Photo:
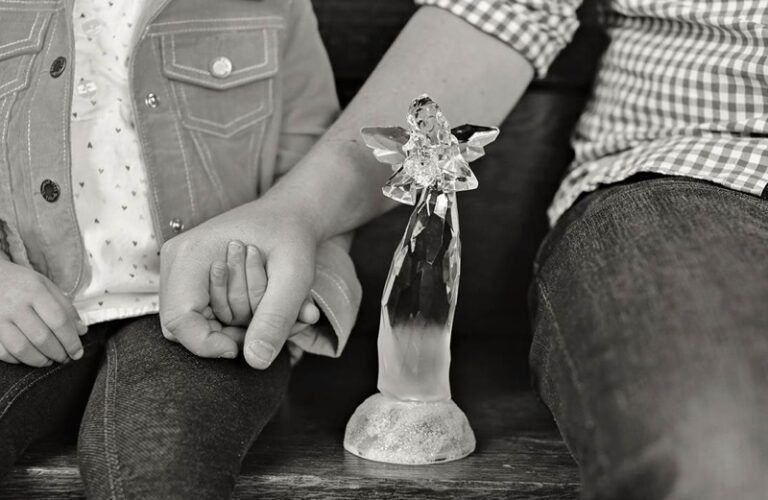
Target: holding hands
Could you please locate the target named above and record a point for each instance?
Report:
(237, 286)
(206, 304)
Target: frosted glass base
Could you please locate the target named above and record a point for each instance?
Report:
(408, 432)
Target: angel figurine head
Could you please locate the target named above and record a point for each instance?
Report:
(429, 155)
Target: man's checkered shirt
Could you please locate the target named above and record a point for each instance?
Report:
(682, 87)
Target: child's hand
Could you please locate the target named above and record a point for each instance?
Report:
(237, 286)
(38, 324)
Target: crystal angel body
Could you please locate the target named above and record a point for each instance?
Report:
(431, 163)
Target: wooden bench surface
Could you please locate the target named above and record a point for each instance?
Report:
(300, 455)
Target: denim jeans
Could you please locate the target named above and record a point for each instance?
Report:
(159, 422)
(650, 305)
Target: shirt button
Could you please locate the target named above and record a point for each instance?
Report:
(177, 225)
(221, 67)
(86, 89)
(50, 190)
(58, 66)
(92, 27)
(151, 100)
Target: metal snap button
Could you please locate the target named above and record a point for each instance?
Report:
(221, 67)
(151, 100)
(58, 66)
(50, 190)
(176, 224)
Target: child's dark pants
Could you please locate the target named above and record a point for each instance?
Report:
(159, 422)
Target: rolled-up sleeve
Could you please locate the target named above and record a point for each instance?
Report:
(536, 29)
(337, 292)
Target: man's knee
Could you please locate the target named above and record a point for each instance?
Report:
(717, 449)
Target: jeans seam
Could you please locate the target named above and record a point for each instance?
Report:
(574, 376)
(113, 463)
(24, 387)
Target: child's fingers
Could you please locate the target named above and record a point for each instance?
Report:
(208, 313)
(40, 335)
(237, 287)
(20, 348)
(256, 277)
(195, 332)
(299, 327)
(236, 333)
(309, 313)
(218, 292)
(61, 323)
(68, 307)
(6, 357)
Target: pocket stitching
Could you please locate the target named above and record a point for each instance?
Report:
(24, 44)
(19, 80)
(270, 49)
(180, 82)
(260, 111)
(236, 72)
(229, 24)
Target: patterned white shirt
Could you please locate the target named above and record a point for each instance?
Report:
(682, 88)
(111, 200)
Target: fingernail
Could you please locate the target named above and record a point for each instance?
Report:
(262, 351)
(81, 327)
(229, 355)
(78, 354)
(219, 269)
(235, 246)
(48, 363)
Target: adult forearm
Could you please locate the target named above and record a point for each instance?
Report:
(473, 76)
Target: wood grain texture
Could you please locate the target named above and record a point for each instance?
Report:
(300, 455)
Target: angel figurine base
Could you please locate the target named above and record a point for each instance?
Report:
(409, 432)
(412, 420)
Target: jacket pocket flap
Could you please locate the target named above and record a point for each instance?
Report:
(222, 57)
(22, 36)
(22, 33)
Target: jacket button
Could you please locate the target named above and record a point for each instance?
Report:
(177, 225)
(221, 67)
(58, 66)
(151, 100)
(50, 190)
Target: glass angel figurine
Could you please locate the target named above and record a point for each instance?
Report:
(412, 420)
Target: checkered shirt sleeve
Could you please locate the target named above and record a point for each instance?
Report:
(536, 29)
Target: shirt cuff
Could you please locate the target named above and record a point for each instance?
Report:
(337, 293)
(536, 29)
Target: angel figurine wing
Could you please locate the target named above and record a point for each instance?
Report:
(387, 143)
(473, 139)
(428, 155)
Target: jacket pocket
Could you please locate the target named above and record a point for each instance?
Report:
(222, 74)
(22, 35)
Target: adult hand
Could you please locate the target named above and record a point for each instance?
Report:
(287, 243)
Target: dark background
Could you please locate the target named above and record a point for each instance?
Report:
(503, 221)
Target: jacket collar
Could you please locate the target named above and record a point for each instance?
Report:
(151, 9)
